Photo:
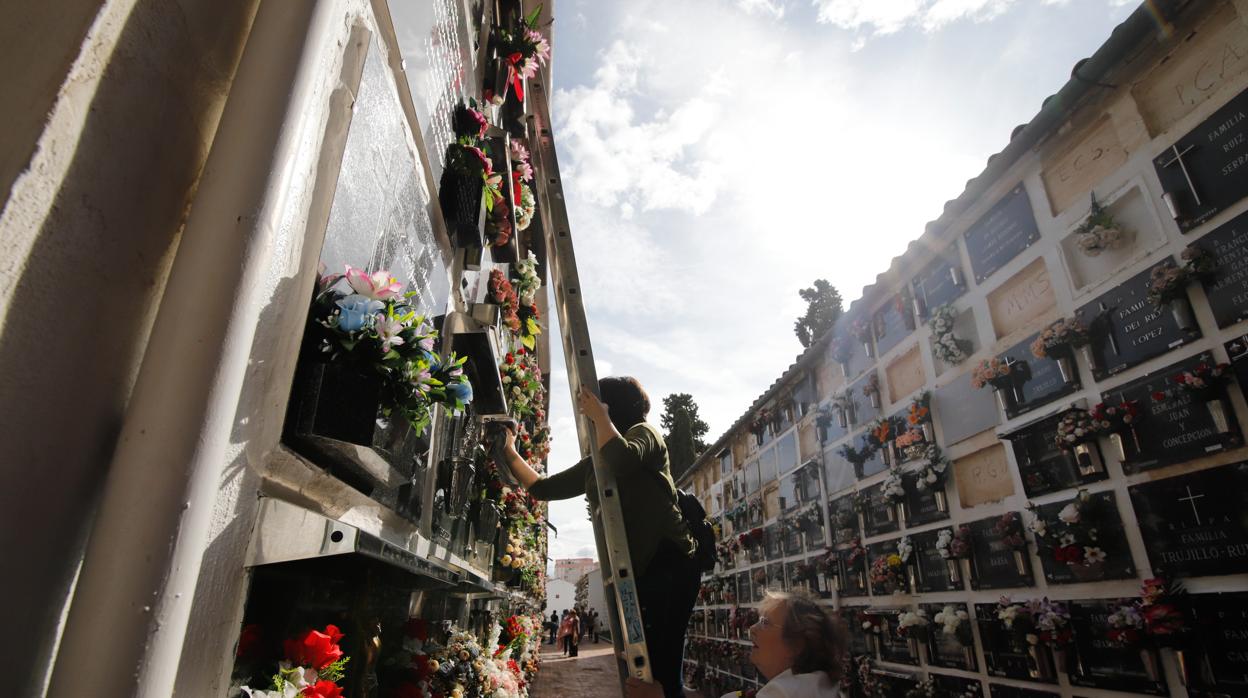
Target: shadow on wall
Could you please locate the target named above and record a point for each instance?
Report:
(75, 330)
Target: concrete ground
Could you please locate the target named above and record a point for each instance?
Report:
(590, 675)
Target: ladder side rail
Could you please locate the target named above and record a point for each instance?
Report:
(628, 634)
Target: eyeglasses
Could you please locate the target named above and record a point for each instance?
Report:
(765, 622)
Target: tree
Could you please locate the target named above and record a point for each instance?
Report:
(684, 431)
(822, 310)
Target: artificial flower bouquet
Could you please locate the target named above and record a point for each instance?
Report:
(1073, 536)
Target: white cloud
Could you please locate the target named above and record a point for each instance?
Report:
(771, 8)
(882, 17)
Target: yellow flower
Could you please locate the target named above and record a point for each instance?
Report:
(894, 560)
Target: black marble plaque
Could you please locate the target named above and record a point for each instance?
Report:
(1110, 539)
(857, 636)
(1002, 234)
(1127, 329)
(1195, 524)
(1003, 658)
(844, 520)
(893, 323)
(1227, 288)
(939, 283)
(882, 549)
(1178, 428)
(791, 540)
(894, 647)
(744, 587)
(1221, 630)
(1038, 381)
(1213, 172)
(995, 565)
(997, 690)
(1043, 466)
(775, 575)
(933, 572)
(788, 492)
(854, 581)
(833, 432)
(1099, 662)
(948, 685)
(773, 543)
(838, 472)
(880, 515)
(945, 650)
(1237, 350)
(863, 411)
(922, 504)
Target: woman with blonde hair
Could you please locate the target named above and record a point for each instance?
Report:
(799, 645)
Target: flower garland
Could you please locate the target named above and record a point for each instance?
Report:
(990, 372)
(1060, 339)
(367, 321)
(504, 294)
(522, 383)
(1168, 282)
(945, 345)
(528, 283)
(314, 664)
(911, 444)
(880, 432)
(1098, 232)
(954, 543)
(1157, 618)
(857, 457)
(1072, 536)
(1201, 381)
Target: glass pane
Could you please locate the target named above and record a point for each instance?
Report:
(767, 465)
(786, 452)
(788, 492)
(751, 477)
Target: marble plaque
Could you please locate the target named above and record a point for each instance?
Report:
(1038, 381)
(1237, 350)
(1195, 71)
(961, 687)
(963, 411)
(857, 637)
(1007, 229)
(882, 549)
(894, 647)
(893, 322)
(983, 477)
(997, 690)
(933, 573)
(922, 504)
(905, 375)
(1178, 428)
(1100, 662)
(838, 473)
(1221, 622)
(945, 650)
(1207, 170)
(1003, 658)
(863, 412)
(1024, 298)
(787, 494)
(1042, 466)
(995, 565)
(859, 361)
(1127, 329)
(1227, 288)
(1074, 171)
(855, 581)
(844, 520)
(744, 587)
(940, 282)
(772, 541)
(1110, 538)
(1195, 524)
(874, 464)
(880, 515)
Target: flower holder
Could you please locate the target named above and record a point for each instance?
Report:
(886, 454)
(869, 349)
(1005, 400)
(1127, 443)
(929, 432)
(1020, 562)
(514, 110)
(844, 369)
(1066, 366)
(892, 513)
(954, 569)
(463, 208)
(901, 514)
(1039, 665)
(1088, 459)
(1181, 310)
(1089, 356)
(911, 580)
(487, 521)
(942, 502)
(842, 418)
(955, 275)
(875, 399)
(1152, 664)
(1218, 413)
(913, 646)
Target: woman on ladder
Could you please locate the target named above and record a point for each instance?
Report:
(658, 539)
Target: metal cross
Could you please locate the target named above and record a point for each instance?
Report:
(1113, 343)
(1178, 157)
(1191, 498)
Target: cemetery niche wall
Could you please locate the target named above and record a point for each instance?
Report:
(1084, 530)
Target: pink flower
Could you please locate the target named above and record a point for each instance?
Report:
(388, 330)
(378, 286)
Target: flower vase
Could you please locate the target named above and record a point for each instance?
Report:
(891, 511)
(1059, 660)
(955, 275)
(886, 454)
(842, 418)
(955, 574)
(1180, 658)
(912, 580)
(1181, 309)
(929, 432)
(1088, 459)
(1066, 366)
(873, 641)
(968, 656)
(913, 646)
(875, 400)
(844, 369)
(1089, 356)
(836, 583)
(1003, 399)
(1038, 666)
(901, 514)
(1152, 664)
(1020, 562)
(1217, 411)
(868, 349)
(1127, 443)
(1016, 393)
(460, 196)
(942, 502)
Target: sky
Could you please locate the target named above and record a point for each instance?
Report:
(719, 155)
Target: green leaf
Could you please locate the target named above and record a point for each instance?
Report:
(531, 20)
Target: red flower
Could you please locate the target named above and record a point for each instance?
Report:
(1070, 554)
(315, 649)
(249, 641)
(1159, 396)
(323, 689)
(1162, 619)
(510, 358)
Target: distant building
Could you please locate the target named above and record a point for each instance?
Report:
(590, 593)
(573, 568)
(560, 596)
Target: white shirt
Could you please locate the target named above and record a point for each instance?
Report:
(815, 684)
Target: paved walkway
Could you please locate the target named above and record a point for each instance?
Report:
(591, 675)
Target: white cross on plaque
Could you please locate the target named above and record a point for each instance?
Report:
(1191, 499)
(1178, 157)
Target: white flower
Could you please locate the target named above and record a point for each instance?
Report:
(1069, 513)
(1092, 555)
(1038, 527)
(388, 330)
(1067, 539)
(1033, 639)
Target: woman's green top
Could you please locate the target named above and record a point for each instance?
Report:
(647, 493)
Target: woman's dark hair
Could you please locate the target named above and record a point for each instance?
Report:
(818, 635)
(627, 402)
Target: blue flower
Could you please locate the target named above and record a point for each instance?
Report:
(460, 390)
(356, 311)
